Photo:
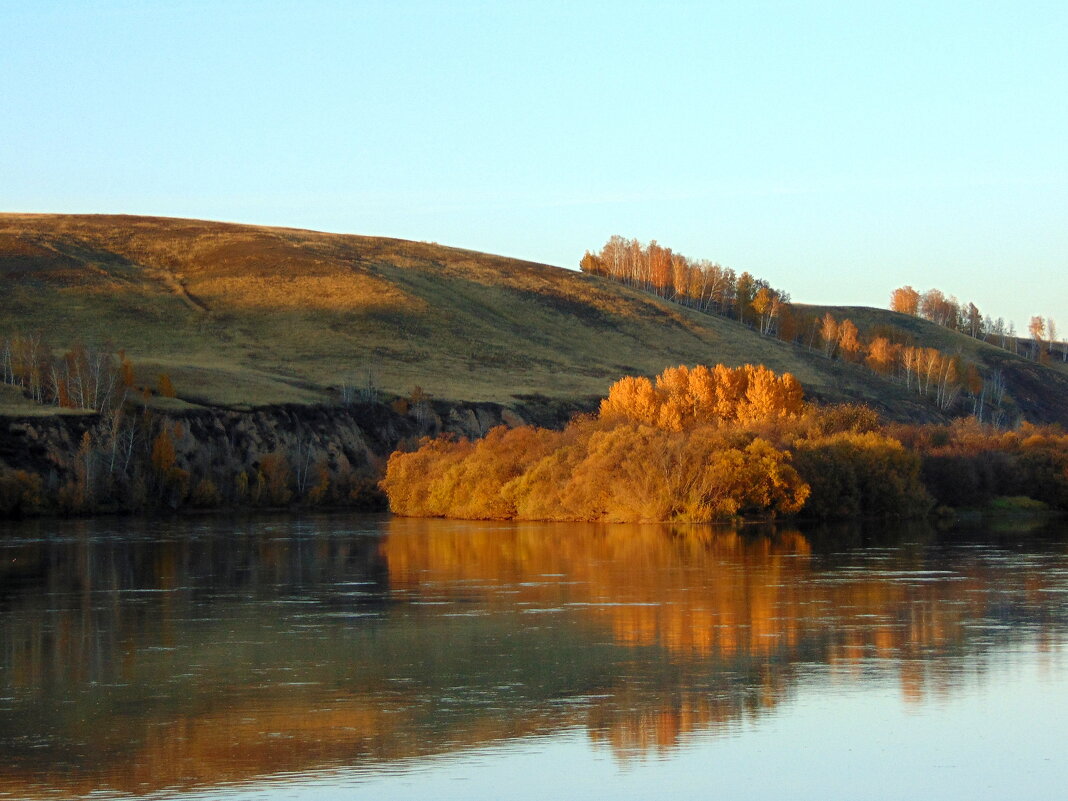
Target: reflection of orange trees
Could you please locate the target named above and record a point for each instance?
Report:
(702, 594)
(52, 643)
(235, 745)
(694, 592)
(669, 452)
(697, 593)
(631, 725)
(715, 627)
(752, 603)
(282, 736)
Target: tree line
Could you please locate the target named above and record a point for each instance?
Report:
(703, 444)
(98, 379)
(934, 305)
(951, 382)
(946, 380)
(697, 283)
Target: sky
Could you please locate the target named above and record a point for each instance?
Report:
(838, 150)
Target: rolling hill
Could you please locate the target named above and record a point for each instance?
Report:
(243, 316)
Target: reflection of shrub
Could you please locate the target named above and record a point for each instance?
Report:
(861, 474)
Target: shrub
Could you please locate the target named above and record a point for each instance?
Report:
(861, 474)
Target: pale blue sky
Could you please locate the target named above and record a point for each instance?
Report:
(837, 149)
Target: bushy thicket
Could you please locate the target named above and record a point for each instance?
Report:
(595, 471)
(696, 444)
(851, 474)
(966, 464)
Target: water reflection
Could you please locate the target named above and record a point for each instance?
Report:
(208, 653)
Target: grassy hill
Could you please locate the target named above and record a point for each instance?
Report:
(242, 316)
(1037, 391)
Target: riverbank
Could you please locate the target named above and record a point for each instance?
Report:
(143, 458)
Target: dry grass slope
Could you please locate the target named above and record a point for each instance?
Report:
(244, 315)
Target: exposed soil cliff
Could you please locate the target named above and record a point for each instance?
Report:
(213, 457)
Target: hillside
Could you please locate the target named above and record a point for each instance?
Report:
(1038, 392)
(243, 316)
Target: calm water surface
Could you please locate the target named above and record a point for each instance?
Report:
(352, 657)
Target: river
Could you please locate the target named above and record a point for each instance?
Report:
(340, 656)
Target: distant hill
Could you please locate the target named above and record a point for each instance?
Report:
(243, 316)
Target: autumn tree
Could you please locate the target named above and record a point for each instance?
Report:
(1037, 329)
(745, 290)
(829, 334)
(905, 300)
(767, 304)
(166, 386)
(973, 321)
(848, 341)
(789, 325)
(937, 308)
(592, 264)
(277, 476)
(881, 355)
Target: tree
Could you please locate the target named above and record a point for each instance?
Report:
(1037, 329)
(166, 386)
(592, 264)
(659, 260)
(937, 308)
(829, 334)
(906, 300)
(973, 320)
(881, 355)
(910, 358)
(848, 341)
(789, 327)
(766, 305)
(745, 290)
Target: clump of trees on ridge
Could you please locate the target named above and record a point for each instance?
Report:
(98, 379)
(947, 311)
(946, 379)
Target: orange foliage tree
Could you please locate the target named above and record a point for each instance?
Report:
(906, 300)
